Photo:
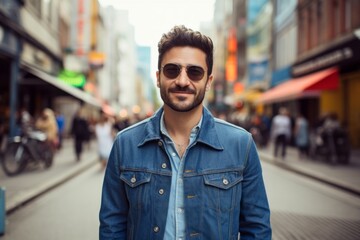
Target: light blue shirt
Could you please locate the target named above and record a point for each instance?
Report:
(175, 223)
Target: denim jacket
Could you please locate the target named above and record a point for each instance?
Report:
(224, 192)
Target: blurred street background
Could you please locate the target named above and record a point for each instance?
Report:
(82, 60)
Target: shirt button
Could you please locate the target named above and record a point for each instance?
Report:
(133, 180)
(160, 143)
(173, 154)
(161, 191)
(225, 181)
(156, 229)
(180, 210)
(163, 165)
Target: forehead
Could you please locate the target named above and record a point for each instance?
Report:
(185, 56)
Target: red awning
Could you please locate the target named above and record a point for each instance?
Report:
(308, 85)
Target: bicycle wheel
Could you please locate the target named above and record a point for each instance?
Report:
(47, 154)
(14, 159)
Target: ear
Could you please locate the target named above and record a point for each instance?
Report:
(209, 82)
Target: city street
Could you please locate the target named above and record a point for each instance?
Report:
(68, 212)
(306, 209)
(74, 73)
(301, 209)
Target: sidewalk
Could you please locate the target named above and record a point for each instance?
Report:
(346, 177)
(35, 181)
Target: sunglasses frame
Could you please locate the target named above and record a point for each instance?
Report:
(179, 67)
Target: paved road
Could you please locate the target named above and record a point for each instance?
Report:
(301, 209)
(68, 212)
(35, 180)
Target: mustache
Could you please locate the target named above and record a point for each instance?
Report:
(182, 89)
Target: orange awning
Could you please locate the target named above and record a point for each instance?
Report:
(108, 110)
(308, 85)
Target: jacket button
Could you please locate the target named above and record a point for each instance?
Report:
(160, 143)
(163, 165)
(133, 180)
(225, 181)
(161, 191)
(156, 229)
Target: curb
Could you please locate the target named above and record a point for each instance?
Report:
(316, 176)
(27, 196)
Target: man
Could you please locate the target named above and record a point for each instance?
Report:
(80, 131)
(281, 131)
(183, 174)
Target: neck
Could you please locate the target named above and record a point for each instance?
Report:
(180, 124)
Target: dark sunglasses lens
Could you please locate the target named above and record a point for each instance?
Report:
(171, 70)
(195, 73)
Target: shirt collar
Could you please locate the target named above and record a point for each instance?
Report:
(194, 131)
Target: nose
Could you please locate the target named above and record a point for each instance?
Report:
(182, 80)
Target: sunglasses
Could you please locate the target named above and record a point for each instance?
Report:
(172, 71)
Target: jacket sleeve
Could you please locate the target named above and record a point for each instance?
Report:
(255, 212)
(114, 203)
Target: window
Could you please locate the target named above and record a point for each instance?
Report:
(47, 10)
(348, 15)
(34, 6)
(319, 22)
(336, 18)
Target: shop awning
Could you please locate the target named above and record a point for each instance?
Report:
(250, 95)
(77, 93)
(309, 85)
(108, 110)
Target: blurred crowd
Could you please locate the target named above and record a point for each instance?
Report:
(83, 129)
(284, 129)
(280, 130)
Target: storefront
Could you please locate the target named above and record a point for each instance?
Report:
(10, 49)
(24, 85)
(345, 100)
(328, 81)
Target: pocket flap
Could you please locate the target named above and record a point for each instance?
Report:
(224, 180)
(134, 179)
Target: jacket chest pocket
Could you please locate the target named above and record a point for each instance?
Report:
(223, 190)
(137, 185)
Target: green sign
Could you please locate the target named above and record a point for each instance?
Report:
(72, 78)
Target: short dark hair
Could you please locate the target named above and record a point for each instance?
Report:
(182, 36)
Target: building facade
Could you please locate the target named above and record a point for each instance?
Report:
(325, 75)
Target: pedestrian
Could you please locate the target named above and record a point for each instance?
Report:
(60, 120)
(281, 131)
(104, 136)
(265, 131)
(302, 135)
(47, 123)
(183, 174)
(80, 131)
(331, 122)
(25, 122)
(2, 131)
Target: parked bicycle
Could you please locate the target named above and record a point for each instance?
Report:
(332, 145)
(31, 147)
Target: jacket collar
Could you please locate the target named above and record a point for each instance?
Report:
(207, 134)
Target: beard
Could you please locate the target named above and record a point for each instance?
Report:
(181, 104)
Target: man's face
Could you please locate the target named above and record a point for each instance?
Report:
(181, 93)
